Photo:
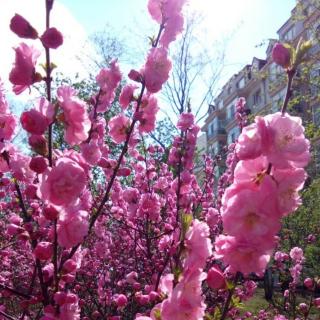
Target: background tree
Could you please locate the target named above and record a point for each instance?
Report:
(197, 66)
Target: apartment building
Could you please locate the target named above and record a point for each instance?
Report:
(262, 83)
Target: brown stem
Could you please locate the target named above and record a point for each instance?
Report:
(16, 292)
(49, 4)
(290, 75)
(231, 291)
(7, 316)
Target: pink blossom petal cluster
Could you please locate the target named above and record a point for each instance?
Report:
(62, 184)
(267, 180)
(169, 14)
(108, 79)
(23, 74)
(156, 70)
(118, 128)
(75, 116)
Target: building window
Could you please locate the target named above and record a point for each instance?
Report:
(240, 83)
(231, 112)
(289, 36)
(257, 98)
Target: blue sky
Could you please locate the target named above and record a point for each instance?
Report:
(246, 22)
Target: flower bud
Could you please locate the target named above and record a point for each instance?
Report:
(215, 278)
(52, 38)
(38, 164)
(121, 300)
(281, 55)
(50, 213)
(38, 144)
(308, 282)
(22, 28)
(43, 250)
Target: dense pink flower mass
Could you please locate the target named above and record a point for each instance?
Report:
(114, 221)
(24, 73)
(156, 70)
(63, 184)
(72, 227)
(75, 116)
(108, 80)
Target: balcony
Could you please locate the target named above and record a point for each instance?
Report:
(217, 135)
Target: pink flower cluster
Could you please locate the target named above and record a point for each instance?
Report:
(108, 80)
(7, 120)
(23, 74)
(75, 116)
(272, 152)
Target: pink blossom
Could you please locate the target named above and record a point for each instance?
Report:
(317, 303)
(308, 282)
(34, 122)
(253, 171)
(213, 217)
(121, 300)
(135, 75)
(289, 146)
(118, 128)
(22, 28)
(156, 70)
(185, 121)
(252, 140)
(43, 250)
(251, 211)
(296, 254)
(72, 227)
(108, 80)
(280, 317)
(290, 182)
(149, 206)
(198, 245)
(75, 116)
(185, 301)
(62, 184)
(38, 144)
(173, 27)
(23, 73)
(7, 126)
(38, 164)
(215, 278)
(162, 10)
(91, 152)
(46, 109)
(3, 100)
(126, 95)
(52, 38)
(242, 255)
(147, 115)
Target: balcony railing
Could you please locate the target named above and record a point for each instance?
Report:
(216, 132)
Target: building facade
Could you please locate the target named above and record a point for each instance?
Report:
(263, 84)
